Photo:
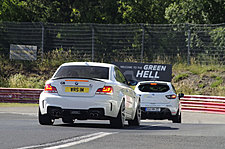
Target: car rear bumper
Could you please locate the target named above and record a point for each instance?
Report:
(94, 113)
(68, 105)
(164, 113)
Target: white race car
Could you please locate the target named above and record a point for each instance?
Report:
(159, 100)
(87, 90)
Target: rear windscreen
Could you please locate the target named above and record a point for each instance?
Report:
(82, 72)
(153, 88)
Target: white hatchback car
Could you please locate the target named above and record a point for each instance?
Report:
(87, 90)
(159, 100)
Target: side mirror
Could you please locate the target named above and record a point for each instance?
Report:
(132, 82)
(180, 95)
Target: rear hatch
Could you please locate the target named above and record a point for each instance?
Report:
(78, 80)
(154, 93)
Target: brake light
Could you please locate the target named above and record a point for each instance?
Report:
(153, 83)
(106, 90)
(50, 89)
(171, 96)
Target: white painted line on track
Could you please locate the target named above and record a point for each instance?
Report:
(80, 141)
(29, 114)
(70, 142)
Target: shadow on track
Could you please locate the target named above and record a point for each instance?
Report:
(149, 127)
(108, 126)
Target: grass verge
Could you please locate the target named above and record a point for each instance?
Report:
(190, 79)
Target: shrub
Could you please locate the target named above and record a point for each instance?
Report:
(22, 81)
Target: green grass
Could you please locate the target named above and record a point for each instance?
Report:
(197, 69)
(218, 82)
(201, 85)
(180, 77)
(189, 79)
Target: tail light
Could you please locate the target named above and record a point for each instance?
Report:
(50, 89)
(106, 90)
(174, 96)
(153, 83)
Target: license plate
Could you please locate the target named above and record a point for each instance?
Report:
(77, 89)
(152, 109)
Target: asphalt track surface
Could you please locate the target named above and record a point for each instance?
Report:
(19, 128)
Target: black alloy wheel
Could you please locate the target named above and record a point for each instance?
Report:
(137, 118)
(45, 119)
(119, 121)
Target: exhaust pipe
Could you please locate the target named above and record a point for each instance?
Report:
(94, 115)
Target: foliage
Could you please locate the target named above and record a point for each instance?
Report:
(201, 85)
(22, 81)
(13, 10)
(193, 79)
(201, 79)
(180, 77)
(196, 11)
(113, 11)
(67, 11)
(218, 82)
(186, 12)
(218, 36)
(32, 74)
(143, 11)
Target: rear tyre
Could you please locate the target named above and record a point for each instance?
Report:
(137, 118)
(45, 119)
(68, 120)
(119, 121)
(177, 118)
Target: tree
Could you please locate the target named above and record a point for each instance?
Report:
(98, 11)
(196, 12)
(66, 11)
(12, 10)
(51, 11)
(144, 11)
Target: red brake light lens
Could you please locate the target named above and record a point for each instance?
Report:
(106, 90)
(171, 96)
(153, 83)
(50, 89)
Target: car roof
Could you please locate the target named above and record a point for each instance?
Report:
(88, 64)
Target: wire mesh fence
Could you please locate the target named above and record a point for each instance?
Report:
(189, 43)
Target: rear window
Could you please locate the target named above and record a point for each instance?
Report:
(83, 72)
(153, 88)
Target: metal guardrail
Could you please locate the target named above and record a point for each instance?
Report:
(19, 95)
(199, 103)
(194, 103)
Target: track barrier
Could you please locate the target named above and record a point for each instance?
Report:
(194, 103)
(19, 95)
(199, 103)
